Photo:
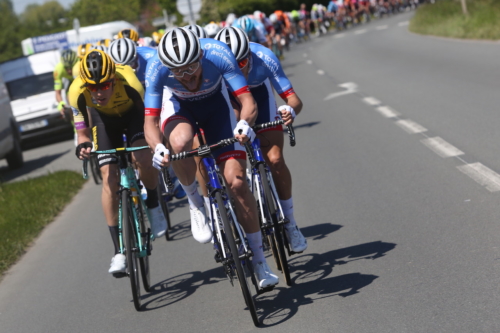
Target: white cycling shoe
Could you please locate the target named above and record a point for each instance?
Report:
(118, 264)
(296, 240)
(199, 225)
(158, 223)
(265, 277)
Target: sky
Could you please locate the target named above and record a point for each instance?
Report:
(20, 5)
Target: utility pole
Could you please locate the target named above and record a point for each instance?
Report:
(464, 8)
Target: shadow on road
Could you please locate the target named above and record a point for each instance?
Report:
(310, 275)
(6, 174)
(319, 231)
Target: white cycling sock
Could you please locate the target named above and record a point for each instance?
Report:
(194, 198)
(287, 206)
(255, 243)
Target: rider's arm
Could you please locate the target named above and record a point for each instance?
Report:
(79, 108)
(58, 86)
(248, 108)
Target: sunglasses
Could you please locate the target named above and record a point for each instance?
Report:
(243, 63)
(180, 72)
(101, 86)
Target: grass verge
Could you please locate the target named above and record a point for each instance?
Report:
(445, 18)
(28, 206)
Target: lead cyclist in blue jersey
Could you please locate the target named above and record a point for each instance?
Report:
(262, 69)
(186, 87)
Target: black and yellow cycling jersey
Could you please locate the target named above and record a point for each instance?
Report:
(126, 91)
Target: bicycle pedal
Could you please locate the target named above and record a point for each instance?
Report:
(119, 275)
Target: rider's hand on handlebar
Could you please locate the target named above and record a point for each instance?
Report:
(287, 114)
(83, 150)
(243, 132)
(161, 156)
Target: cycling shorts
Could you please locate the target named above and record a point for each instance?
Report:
(266, 104)
(214, 115)
(107, 131)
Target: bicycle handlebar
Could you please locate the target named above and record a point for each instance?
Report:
(203, 150)
(109, 151)
(291, 132)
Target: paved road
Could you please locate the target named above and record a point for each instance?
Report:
(397, 195)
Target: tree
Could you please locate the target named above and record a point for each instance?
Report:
(91, 12)
(9, 39)
(44, 19)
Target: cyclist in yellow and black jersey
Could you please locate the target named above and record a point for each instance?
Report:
(110, 99)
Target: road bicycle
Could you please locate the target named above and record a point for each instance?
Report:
(133, 218)
(229, 242)
(165, 189)
(95, 169)
(271, 217)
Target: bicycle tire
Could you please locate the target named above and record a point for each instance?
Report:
(133, 270)
(230, 238)
(144, 261)
(95, 169)
(279, 231)
(160, 190)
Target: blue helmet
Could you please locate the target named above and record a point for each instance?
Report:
(246, 24)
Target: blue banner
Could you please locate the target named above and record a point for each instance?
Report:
(57, 41)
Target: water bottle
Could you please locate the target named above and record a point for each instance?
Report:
(144, 192)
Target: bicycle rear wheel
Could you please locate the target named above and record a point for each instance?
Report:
(144, 261)
(230, 233)
(279, 232)
(131, 242)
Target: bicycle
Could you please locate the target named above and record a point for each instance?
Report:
(230, 245)
(271, 217)
(165, 189)
(96, 170)
(132, 216)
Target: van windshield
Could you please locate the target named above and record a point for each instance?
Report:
(29, 86)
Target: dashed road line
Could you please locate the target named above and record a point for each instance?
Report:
(339, 36)
(371, 101)
(382, 27)
(350, 86)
(410, 126)
(359, 32)
(309, 62)
(482, 175)
(441, 147)
(320, 72)
(387, 112)
(402, 24)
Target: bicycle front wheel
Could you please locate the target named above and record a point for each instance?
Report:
(95, 169)
(162, 194)
(144, 261)
(131, 242)
(230, 233)
(277, 237)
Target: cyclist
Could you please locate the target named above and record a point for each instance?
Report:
(112, 97)
(248, 25)
(64, 70)
(212, 29)
(129, 33)
(104, 42)
(186, 87)
(197, 30)
(261, 68)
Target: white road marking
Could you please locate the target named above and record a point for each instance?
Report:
(359, 32)
(309, 62)
(320, 72)
(402, 24)
(339, 35)
(441, 147)
(382, 27)
(350, 86)
(387, 112)
(410, 126)
(482, 175)
(371, 101)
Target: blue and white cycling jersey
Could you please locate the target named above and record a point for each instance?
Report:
(265, 69)
(144, 53)
(209, 107)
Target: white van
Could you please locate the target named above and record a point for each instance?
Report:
(30, 85)
(10, 140)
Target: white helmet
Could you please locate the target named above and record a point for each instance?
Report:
(273, 18)
(179, 47)
(258, 15)
(103, 48)
(212, 29)
(198, 31)
(237, 41)
(122, 51)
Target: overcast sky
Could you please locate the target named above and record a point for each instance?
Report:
(20, 5)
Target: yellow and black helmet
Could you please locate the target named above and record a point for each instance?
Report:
(97, 67)
(104, 42)
(69, 58)
(130, 34)
(83, 49)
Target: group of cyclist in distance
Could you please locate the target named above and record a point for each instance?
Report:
(159, 96)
